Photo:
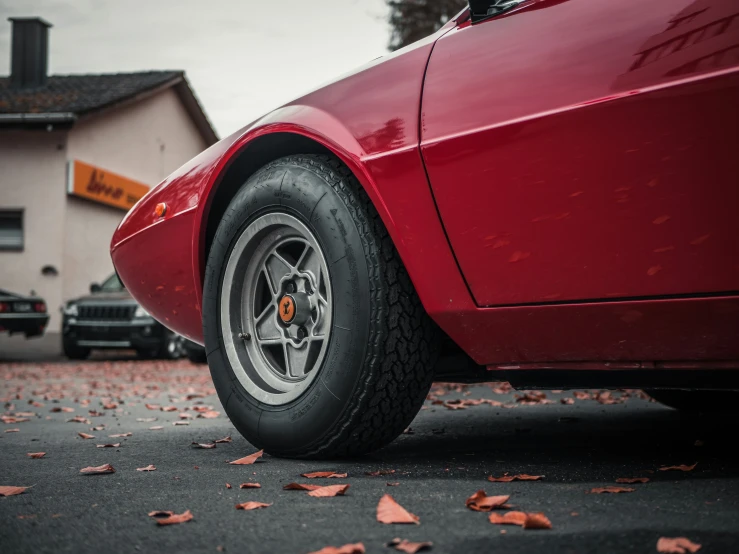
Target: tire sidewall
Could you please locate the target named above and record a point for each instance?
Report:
(296, 188)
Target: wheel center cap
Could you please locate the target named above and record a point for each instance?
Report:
(287, 308)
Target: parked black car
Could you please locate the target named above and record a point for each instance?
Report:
(109, 318)
(22, 314)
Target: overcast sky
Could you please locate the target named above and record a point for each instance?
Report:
(242, 57)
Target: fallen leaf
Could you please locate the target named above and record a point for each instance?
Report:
(519, 477)
(228, 485)
(210, 414)
(152, 406)
(97, 428)
(331, 490)
(180, 423)
(12, 430)
(116, 445)
(537, 521)
(403, 545)
(224, 439)
(120, 435)
(580, 395)
(12, 491)
(146, 419)
(327, 474)
(509, 518)
(248, 460)
(11, 419)
(147, 468)
(110, 406)
(392, 484)
(79, 419)
(98, 470)
(525, 520)
(629, 480)
(252, 505)
(389, 511)
(567, 400)
(204, 445)
(679, 468)
(480, 502)
(175, 518)
(36, 455)
(156, 428)
(677, 545)
(355, 548)
(300, 487)
(86, 435)
(67, 409)
(250, 486)
(168, 408)
(610, 489)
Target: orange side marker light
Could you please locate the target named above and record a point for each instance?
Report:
(160, 210)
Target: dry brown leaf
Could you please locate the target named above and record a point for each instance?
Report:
(537, 521)
(210, 414)
(567, 400)
(97, 428)
(86, 435)
(250, 486)
(355, 548)
(392, 484)
(611, 489)
(247, 460)
(331, 490)
(252, 505)
(168, 408)
(679, 468)
(224, 439)
(327, 474)
(150, 467)
(12, 430)
(114, 445)
(403, 545)
(36, 455)
(146, 419)
(509, 518)
(677, 545)
(152, 406)
(12, 491)
(97, 470)
(175, 518)
(630, 480)
(480, 502)
(380, 472)
(79, 419)
(156, 428)
(581, 395)
(204, 445)
(520, 477)
(300, 487)
(12, 419)
(389, 511)
(118, 435)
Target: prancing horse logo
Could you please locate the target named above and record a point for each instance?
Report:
(287, 313)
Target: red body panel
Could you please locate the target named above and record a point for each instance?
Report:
(588, 164)
(539, 94)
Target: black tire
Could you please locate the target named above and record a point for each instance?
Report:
(697, 400)
(197, 356)
(74, 352)
(374, 378)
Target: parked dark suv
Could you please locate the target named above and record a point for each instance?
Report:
(109, 318)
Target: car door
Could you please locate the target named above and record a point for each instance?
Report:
(588, 149)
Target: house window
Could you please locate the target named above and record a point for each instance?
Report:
(11, 230)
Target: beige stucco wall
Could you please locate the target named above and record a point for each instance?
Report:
(32, 174)
(145, 141)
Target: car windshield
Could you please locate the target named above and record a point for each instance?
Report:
(112, 284)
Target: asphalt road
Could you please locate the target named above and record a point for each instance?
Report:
(447, 457)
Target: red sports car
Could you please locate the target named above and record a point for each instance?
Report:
(543, 191)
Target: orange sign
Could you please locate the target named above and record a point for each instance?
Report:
(99, 185)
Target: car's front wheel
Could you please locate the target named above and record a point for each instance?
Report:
(317, 342)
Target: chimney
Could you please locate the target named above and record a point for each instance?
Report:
(29, 52)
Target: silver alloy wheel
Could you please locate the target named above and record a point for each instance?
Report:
(276, 309)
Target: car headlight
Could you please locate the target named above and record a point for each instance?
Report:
(140, 312)
(71, 310)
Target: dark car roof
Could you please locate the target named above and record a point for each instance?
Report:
(7, 295)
